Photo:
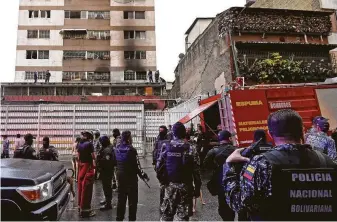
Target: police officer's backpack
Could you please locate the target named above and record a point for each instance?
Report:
(303, 189)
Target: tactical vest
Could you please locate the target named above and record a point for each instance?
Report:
(106, 161)
(304, 186)
(21, 152)
(47, 155)
(127, 167)
(178, 162)
(160, 147)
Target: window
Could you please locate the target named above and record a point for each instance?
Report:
(129, 15)
(31, 54)
(134, 15)
(73, 76)
(140, 15)
(98, 15)
(33, 14)
(43, 54)
(72, 14)
(44, 34)
(105, 35)
(74, 54)
(134, 35)
(129, 34)
(129, 55)
(140, 35)
(32, 34)
(135, 55)
(30, 75)
(84, 14)
(140, 55)
(45, 14)
(98, 55)
(141, 75)
(98, 76)
(129, 75)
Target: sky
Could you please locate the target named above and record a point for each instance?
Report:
(173, 18)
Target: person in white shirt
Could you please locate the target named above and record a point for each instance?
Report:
(19, 142)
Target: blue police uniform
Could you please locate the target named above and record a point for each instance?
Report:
(284, 175)
(128, 169)
(178, 169)
(322, 142)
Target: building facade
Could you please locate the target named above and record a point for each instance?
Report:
(105, 41)
(238, 42)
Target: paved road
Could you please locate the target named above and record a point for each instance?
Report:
(148, 203)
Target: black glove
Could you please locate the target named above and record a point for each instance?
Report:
(145, 177)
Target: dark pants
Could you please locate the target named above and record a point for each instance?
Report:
(5, 154)
(85, 186)
(47, 80)
(243, 216)
(129, 193)
(161, 196)
(225, 212)
(151, 80)
(107, 187)
(35, 80)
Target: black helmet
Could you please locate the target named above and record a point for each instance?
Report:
(96, 133)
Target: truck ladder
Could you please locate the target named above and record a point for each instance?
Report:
(223, 113)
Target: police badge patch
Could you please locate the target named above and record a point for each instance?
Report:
(249, 172)
(107, 157)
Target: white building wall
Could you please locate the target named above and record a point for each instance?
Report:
(118, 19)
(133, 3)
(56, 76)
(117, 76)
(332, 38)
(117, 39)
(198, 29)
(328, 4)
(117, 59)
(54, 40)
(55, 59)
(56, 19)
(41, 2)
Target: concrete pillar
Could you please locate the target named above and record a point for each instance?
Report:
(55, 91)
(110, 91)
(28, 90)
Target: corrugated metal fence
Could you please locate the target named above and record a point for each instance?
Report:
(62, 123)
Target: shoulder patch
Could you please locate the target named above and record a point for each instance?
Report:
(249, 172)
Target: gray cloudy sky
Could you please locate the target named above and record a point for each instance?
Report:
(173, 17)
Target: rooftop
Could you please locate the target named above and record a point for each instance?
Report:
(195, 22)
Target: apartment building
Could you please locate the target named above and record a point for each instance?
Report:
(87, 41)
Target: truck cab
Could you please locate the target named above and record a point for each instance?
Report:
(33, 190)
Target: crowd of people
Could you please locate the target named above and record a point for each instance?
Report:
(276, 21)
(247, 181)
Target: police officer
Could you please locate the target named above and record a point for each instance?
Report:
(107, 162)
(47, 152)
(320, 140)
(97, 148)
(116, 141)
(128, 168)
(161, 138)
(313, 128)
(177, 168)
(214, 159)
(26, 151)
(283, 176)
(86, 174)
(5, 147)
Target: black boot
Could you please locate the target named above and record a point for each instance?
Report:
(107, 206)
(103, 202)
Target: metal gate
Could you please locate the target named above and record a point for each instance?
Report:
(62, 123)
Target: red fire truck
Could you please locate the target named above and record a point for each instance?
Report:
(244, 111)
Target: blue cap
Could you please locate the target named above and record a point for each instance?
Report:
(318, 118)
(224, 135)
(323, 124)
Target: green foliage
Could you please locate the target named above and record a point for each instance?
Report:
(276, 70)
